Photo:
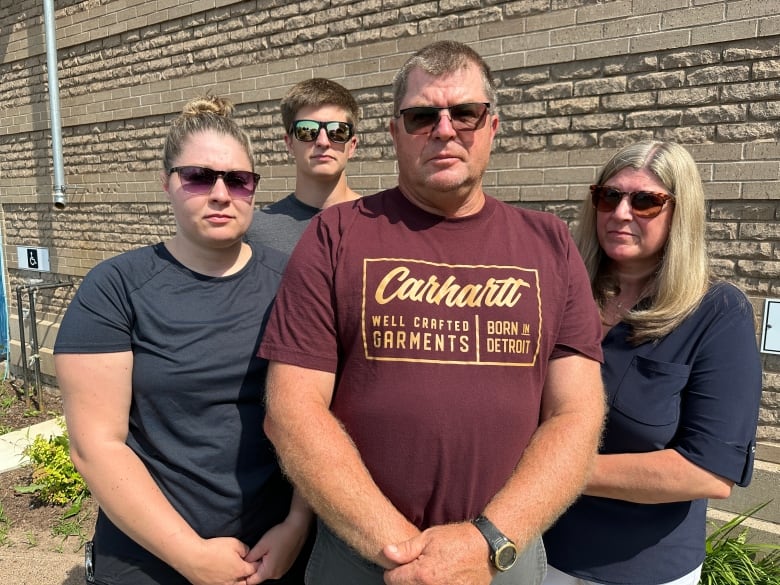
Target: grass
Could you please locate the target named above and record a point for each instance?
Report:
(6, 402)
(71, 528)
(30, 539)
(733, 559)
(5, 525)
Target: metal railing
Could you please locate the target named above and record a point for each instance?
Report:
(34, 358)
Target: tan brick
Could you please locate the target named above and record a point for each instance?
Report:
(546, 19)
(608, 11)
(687, 97)
(697, 16)
(602, 49)
(730, 31)
(572, 35)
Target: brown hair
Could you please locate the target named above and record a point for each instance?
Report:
(318, 92)
(438, 59)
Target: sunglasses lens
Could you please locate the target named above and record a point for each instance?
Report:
(338, 132)
(605, 199)
(241, 183)
(468, 116)
(197, 180)
(420, 120)
(646, 204)
(201, 180)
(643, 203)
(306, 130)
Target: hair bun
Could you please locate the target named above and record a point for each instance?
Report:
(208, 104)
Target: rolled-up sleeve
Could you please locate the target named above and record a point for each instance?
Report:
(719, 413)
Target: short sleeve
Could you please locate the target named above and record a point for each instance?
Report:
(302, 328)
(580, 330)
(720, 405)
(99, 318)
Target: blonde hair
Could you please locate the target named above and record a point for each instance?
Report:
(683, 275)
(203, 114)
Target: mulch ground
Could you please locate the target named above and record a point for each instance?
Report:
(24, 520)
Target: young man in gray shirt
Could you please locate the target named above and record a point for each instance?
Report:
(320, 118)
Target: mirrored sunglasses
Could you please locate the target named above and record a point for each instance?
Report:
(463, 117)
(308, 130)
(201, 180)
(643, 203)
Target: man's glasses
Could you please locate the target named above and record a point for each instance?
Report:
(643, 203)
(308, 130)
(423, 119)
(201, 180)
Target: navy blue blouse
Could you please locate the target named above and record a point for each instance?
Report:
(696, 391)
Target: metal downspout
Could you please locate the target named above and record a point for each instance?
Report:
(54, 103)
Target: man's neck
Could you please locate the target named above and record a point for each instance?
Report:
(322, 194)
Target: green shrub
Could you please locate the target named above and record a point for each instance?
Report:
(54, 479)
(733, 560)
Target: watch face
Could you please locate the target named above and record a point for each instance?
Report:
(506, 557)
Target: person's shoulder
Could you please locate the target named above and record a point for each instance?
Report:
(123, 274)
(276, 206)
(530, 215)
(724, 302)
(129, 262)
(289, 206)
(723, 294)
(269, 258)
(346, 208)
(545, 224)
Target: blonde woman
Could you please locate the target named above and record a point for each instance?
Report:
(163, 390)
(682, 374)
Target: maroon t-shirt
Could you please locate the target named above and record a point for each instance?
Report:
(440, 332)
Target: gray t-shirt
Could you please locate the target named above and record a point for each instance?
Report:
(196, 419)
(279, 225)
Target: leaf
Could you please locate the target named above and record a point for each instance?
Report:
(29, 489)
(732, 559)
(73, 510)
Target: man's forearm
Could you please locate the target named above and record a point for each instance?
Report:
(550, 475)
(555, 466)
(322, 462)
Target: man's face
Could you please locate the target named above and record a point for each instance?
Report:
(321, 158)
(444, 167)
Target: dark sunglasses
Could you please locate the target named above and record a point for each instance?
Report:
(201, 180)
(643, 203)
(423, 119)
(308, 130)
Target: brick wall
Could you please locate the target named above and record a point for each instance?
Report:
(578, 79)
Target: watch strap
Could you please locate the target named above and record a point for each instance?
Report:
(495, 538)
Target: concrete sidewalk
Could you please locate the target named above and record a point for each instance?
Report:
(37, 566)
(12, 444)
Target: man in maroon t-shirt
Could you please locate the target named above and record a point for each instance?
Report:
(434, 389)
